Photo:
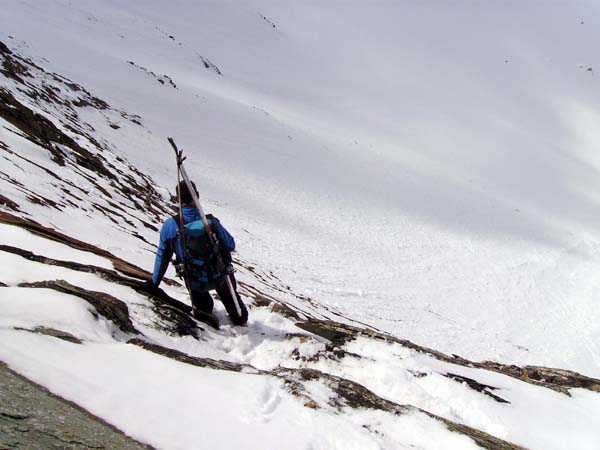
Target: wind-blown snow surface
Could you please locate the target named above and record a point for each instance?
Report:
(428, 168)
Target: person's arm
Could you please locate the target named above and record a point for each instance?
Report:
(164, 252)
(225, 238)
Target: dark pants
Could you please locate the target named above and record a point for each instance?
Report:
(203, 301)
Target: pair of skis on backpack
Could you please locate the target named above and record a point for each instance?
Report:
(209, 252)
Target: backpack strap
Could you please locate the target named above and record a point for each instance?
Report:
(174, 241)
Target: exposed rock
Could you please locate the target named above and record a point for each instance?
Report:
(54, 333)
(107, 306)
(349, 394)
(176, 315)
(66, 137)
(354, 395)
(48, 233)
(479, 387)
(208, 64)
(268, 21)
(32, 418)
(106, 274)
(35, 127)
(4, 49)
(162, 79)
(9, 203)
(555, 379)
(337, 333)
(12, 68)
(284, 310)
(194, 360)
(39, 130)
(481, 438)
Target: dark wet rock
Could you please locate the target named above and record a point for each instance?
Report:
(475, 385)
(176, 322)
(68, 139)
(175, 315)
(40, 130)
(48, 233)
(162, 79)
(284, 310)
(194, 360)
(338, 334)
(354, 395)
(160, 295)
(9, 203)
(35, 127)
(106, 305)
(208, 64)
(54, 333)
(348, 394)
(37, 199)
(481, 438)
(106, 274)
(12, 68)
(556, 379)
(32, 418)
(4, 49)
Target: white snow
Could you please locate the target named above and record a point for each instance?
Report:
(20, 238)
(173, 405)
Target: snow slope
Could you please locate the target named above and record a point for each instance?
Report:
(439, 159)
(172, 404)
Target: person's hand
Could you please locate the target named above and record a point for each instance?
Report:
(149, 287)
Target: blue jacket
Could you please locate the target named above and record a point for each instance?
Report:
(169, 242)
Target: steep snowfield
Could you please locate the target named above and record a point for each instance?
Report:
(428, 169)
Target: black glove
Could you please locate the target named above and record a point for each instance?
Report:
(149, 287)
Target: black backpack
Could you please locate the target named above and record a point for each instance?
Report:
(201, 264)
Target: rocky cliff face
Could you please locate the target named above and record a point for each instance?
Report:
(54, 159)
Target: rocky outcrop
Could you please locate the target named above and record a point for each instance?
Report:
(174, 315)
(54, 333)
(348, 394)
(556, 379)
(32, 418)
(477, 386)
(48, 233)
(45, 108)
(106, 305)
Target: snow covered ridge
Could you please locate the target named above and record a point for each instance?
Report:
(74, 318)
